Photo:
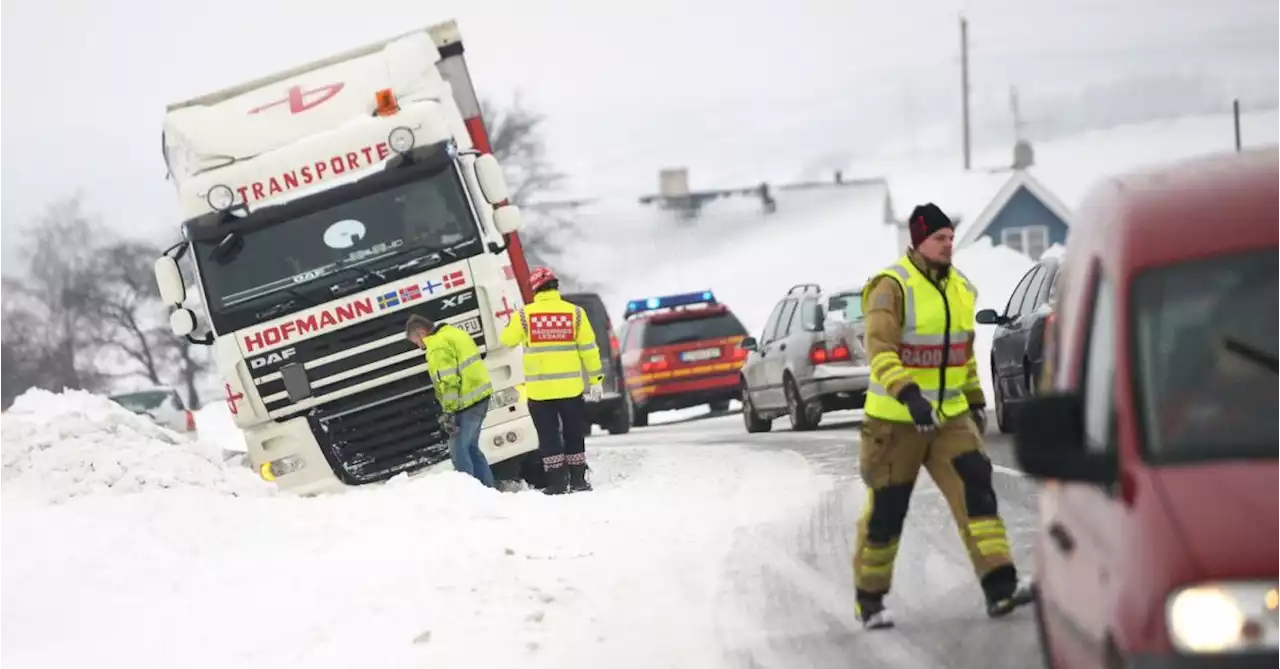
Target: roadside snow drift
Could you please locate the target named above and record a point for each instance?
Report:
(434, 572)
(56, 446)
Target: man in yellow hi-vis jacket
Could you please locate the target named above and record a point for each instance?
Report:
(925, 407)
(462, 387)
(559, 345)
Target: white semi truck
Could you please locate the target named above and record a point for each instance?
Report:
(321, 206)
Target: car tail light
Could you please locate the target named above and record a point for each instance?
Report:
(191, 421)
(654, 363)
(740, 353)
(840, 353)
(613, 343)
(818, 354)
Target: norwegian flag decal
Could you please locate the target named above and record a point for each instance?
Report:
(455, 280)
(411, 293)
(509, 271)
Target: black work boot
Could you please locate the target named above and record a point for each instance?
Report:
(557, 481)
(578, 478)
(1005, 591)
(871, 611)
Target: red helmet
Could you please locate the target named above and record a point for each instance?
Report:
(539, 277)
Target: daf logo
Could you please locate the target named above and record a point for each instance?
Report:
(456, 300)
(344, 234)
(272, 358)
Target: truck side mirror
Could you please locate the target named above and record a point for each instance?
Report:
(182, 321)
(508, 219)
(493, 184)
(169, 281)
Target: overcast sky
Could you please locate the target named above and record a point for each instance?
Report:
(628, 86)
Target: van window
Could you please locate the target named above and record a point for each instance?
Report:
(1206, 358)
(691, 329)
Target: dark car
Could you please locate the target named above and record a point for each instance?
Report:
(613, 413)
(1017, 347)
(1155, 434)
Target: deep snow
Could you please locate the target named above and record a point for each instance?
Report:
(437, 571)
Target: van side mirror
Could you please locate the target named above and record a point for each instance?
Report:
(1050, 442)
(748, 344)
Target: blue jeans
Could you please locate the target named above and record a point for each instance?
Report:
(464, 445)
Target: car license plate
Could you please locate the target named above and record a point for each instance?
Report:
(701, 354)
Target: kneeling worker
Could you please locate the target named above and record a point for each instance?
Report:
(559, 349)
(462, 388)
(925, 407)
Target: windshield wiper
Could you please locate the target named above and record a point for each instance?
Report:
(1256, 356)
(285, 306)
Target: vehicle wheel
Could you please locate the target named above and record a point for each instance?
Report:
(620, 423)
(719, 407)
(639, 418)
(1002, 421)
(531, 470)
(803, 416)
(753, 422)
(1042, 633)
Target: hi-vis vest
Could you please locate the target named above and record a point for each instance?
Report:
(936, 320)
(559, 345)
(459, 374)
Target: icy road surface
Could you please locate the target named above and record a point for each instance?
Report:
(787, 595)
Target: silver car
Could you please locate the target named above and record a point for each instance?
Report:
(811, 358)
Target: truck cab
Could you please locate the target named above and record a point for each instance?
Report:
(321, 207)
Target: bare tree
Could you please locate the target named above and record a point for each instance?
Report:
(57, 297)
(129, 308)
(515, 137)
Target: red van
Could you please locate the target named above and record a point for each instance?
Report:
(1157, 436)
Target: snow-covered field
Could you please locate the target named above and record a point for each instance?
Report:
(143, 551)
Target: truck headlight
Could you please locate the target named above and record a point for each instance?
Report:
(1225, 617)
(503, 398)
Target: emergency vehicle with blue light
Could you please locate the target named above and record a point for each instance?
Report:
(680, 351)
(321, 206)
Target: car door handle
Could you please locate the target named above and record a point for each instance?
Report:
(1061, 538)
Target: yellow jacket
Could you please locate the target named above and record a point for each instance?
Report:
(559, 345)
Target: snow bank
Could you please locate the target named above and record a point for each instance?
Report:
(995, 272)
(216, 427)
(56, 446)
(434, 572)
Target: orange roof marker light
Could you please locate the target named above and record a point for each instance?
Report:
(386, 102)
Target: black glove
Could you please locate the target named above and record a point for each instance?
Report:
(921, 410)
(448, 423)
(979, 414)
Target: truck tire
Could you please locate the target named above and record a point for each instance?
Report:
(639, 418)
(531, 470)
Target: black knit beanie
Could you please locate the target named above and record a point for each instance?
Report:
(927, 219)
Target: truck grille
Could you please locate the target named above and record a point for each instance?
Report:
(374, 435)
(389, 424)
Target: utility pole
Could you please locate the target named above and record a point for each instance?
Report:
(1235, 112)
(964, 87)
(1017, 114)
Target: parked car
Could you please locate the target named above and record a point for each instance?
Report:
(613, 413)
(679, 351)
(1017, 347)
(1157, 431)
(163, 405)
(810, 358)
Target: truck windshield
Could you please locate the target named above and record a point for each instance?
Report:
(323, 254)
(1206, 358)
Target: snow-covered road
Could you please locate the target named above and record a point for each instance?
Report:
(701, 547)
(787, 593)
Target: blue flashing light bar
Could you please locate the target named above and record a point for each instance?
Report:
(668, 301)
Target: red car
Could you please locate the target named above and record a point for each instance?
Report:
(679, 351)
(1157, 437)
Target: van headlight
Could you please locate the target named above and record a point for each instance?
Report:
(503, 398)
(1227, 617)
